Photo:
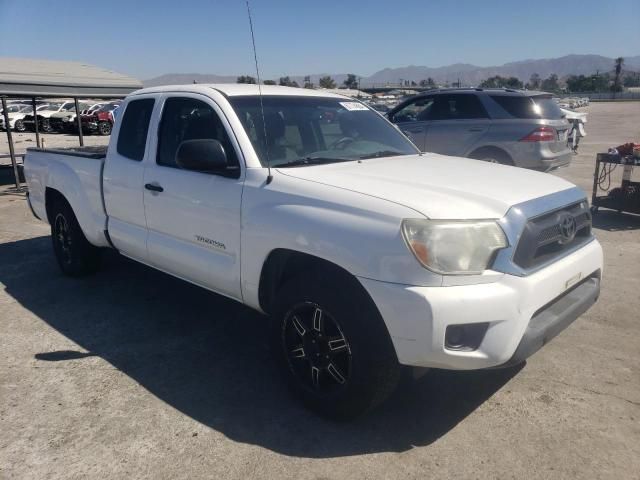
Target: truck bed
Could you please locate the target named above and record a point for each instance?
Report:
(98, 152)
(75, 173)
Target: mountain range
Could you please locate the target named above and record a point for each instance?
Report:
(467, 74)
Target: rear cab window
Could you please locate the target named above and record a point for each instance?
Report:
(132, 138)
(533, 107)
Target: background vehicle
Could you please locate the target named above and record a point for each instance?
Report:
(45, 114)
(101, 120)
(17, 113)
(380, 107)
(65, 119)
(367, 254)
(521, 128)
(92, 108)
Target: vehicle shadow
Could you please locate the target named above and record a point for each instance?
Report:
(613, 221)
(208, 357)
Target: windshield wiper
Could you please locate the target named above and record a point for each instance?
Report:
(382, 153)
(301, 162)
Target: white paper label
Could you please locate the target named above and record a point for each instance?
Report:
(353, 106)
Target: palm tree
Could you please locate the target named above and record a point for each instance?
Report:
(616, 83)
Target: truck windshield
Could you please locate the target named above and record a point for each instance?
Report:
(301, 130)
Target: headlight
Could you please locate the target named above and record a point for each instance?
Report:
(454, 246)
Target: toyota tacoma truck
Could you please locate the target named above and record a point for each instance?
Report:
(366, 254)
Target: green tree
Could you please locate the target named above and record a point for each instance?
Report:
(534, 82)
(550, 84)
(619, 62)
(632, 80)
(307, 82)
(287, 82)
(427, 83)
(579, 83)
(269, 82)
(501, 82)
(327, 82)
(351, 81)
(245, 79)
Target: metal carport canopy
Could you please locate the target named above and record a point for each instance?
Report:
(33, 78)
(24, 77)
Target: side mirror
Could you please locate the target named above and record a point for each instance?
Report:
(202, 155)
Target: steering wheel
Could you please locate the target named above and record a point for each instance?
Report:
(342, 143)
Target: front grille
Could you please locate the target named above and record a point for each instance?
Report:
(552, 234)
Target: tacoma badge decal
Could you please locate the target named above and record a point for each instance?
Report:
(208, 241)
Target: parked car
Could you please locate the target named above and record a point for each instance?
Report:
(101, 121)
(65, 119)
(521, 128)
(380, 107)
(44, 115)
(366, 253)
(92, 108)
(17, 113)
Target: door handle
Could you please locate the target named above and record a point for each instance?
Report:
(476, 129)
(413, 130)
(153, 188)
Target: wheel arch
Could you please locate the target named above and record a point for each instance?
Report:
(283, 264)
(51, 197)
(492, 151)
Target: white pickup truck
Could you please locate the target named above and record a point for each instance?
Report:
(367, 254)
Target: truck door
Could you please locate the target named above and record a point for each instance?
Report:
(123, 179)
(193, 217)
(456, 123)
(412, 119)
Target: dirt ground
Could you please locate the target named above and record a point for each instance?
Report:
(133, 374)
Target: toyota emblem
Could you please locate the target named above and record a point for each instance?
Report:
(567, 228)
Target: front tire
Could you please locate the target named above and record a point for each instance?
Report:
(104, 128)
(44, 125)
(333, 345)
(75, 255)
(19, 126)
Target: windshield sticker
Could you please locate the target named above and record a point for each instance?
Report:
(353, 106)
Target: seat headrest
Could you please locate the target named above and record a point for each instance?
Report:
(274, 125)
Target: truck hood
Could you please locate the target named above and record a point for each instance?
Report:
(62, 114)
(437, 186)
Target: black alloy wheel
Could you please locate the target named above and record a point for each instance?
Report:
(62, 239)
(75, 255)
(104, 128)
(318, 353)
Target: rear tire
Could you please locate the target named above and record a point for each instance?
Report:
(75, 255)
(333, 345)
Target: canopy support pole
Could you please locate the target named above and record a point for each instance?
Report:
(79, 121)
(12, 153)
(35, 121)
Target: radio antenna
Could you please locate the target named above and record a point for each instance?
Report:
(264, 124)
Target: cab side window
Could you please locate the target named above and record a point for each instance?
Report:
(132, 138)
(189, 119)
(457, 107)
(415, 111)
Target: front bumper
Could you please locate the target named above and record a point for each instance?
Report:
(522, 313)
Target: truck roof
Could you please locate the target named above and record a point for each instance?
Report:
(239, 89)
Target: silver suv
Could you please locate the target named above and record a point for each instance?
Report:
(512, 127)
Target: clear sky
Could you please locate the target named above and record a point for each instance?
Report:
(146, 38)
